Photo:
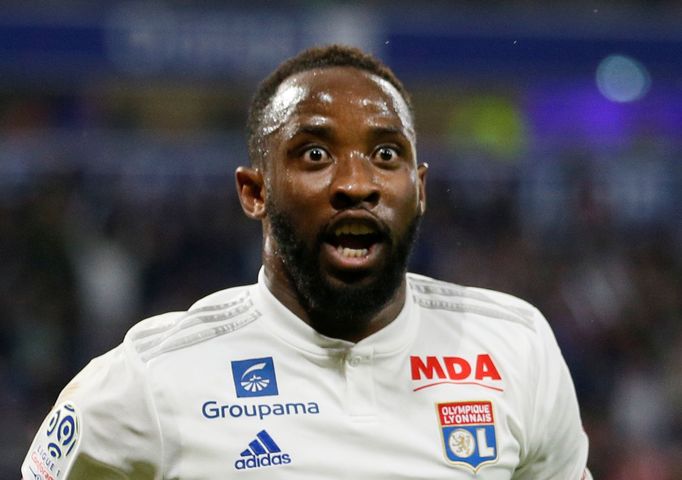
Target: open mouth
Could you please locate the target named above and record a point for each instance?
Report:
(354, 239)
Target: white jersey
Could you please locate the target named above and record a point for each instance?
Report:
(464, 383)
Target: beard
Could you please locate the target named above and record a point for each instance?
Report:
(338, 311)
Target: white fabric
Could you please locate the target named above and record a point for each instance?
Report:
(464, 383)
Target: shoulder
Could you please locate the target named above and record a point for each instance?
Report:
(114, 405)
(125, 366)
(473, 303)
(218, 314)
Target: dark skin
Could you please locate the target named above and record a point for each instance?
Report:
(339, 153)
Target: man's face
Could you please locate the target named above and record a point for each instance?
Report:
(343, 190)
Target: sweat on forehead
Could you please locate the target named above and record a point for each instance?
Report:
(334, 87)
(313, 58)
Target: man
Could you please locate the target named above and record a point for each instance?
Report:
(336, 364)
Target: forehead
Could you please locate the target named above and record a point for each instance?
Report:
(331, 90)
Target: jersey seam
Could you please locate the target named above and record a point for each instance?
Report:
(155, 412)
(531, 449)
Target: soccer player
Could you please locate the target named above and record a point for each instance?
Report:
(336, 363)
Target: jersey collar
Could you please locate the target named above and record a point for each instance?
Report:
(393, 338)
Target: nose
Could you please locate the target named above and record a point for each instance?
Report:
(354, 183)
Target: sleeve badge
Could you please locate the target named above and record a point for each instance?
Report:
(54, 448)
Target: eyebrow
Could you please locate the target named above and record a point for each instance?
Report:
(324, 132)
(379, 132)
(321, 131)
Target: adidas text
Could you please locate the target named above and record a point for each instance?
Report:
(262, 461)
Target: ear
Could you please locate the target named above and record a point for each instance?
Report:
(251, 191)
(422, 169)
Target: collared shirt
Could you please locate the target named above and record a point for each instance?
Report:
(464, 383)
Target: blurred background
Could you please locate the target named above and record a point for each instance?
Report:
(553, 136)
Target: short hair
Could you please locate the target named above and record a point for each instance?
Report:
(312, 58)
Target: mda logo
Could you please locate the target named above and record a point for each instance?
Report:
(254, 377)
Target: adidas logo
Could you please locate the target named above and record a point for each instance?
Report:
(263, 451)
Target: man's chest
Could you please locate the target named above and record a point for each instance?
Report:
(350, 414)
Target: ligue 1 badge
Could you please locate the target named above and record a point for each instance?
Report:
(53, 451)
(468, 430)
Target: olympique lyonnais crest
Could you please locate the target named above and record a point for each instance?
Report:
(468, 432)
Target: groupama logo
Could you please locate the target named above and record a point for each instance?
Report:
(254, 377)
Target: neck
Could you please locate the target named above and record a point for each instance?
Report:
(352, 328)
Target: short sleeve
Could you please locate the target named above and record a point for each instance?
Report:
(103, 425)
(557, 443)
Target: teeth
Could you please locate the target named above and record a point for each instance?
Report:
(353, 229)
(352, 252)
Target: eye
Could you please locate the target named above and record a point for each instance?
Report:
(386, 154)
(315, 154)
